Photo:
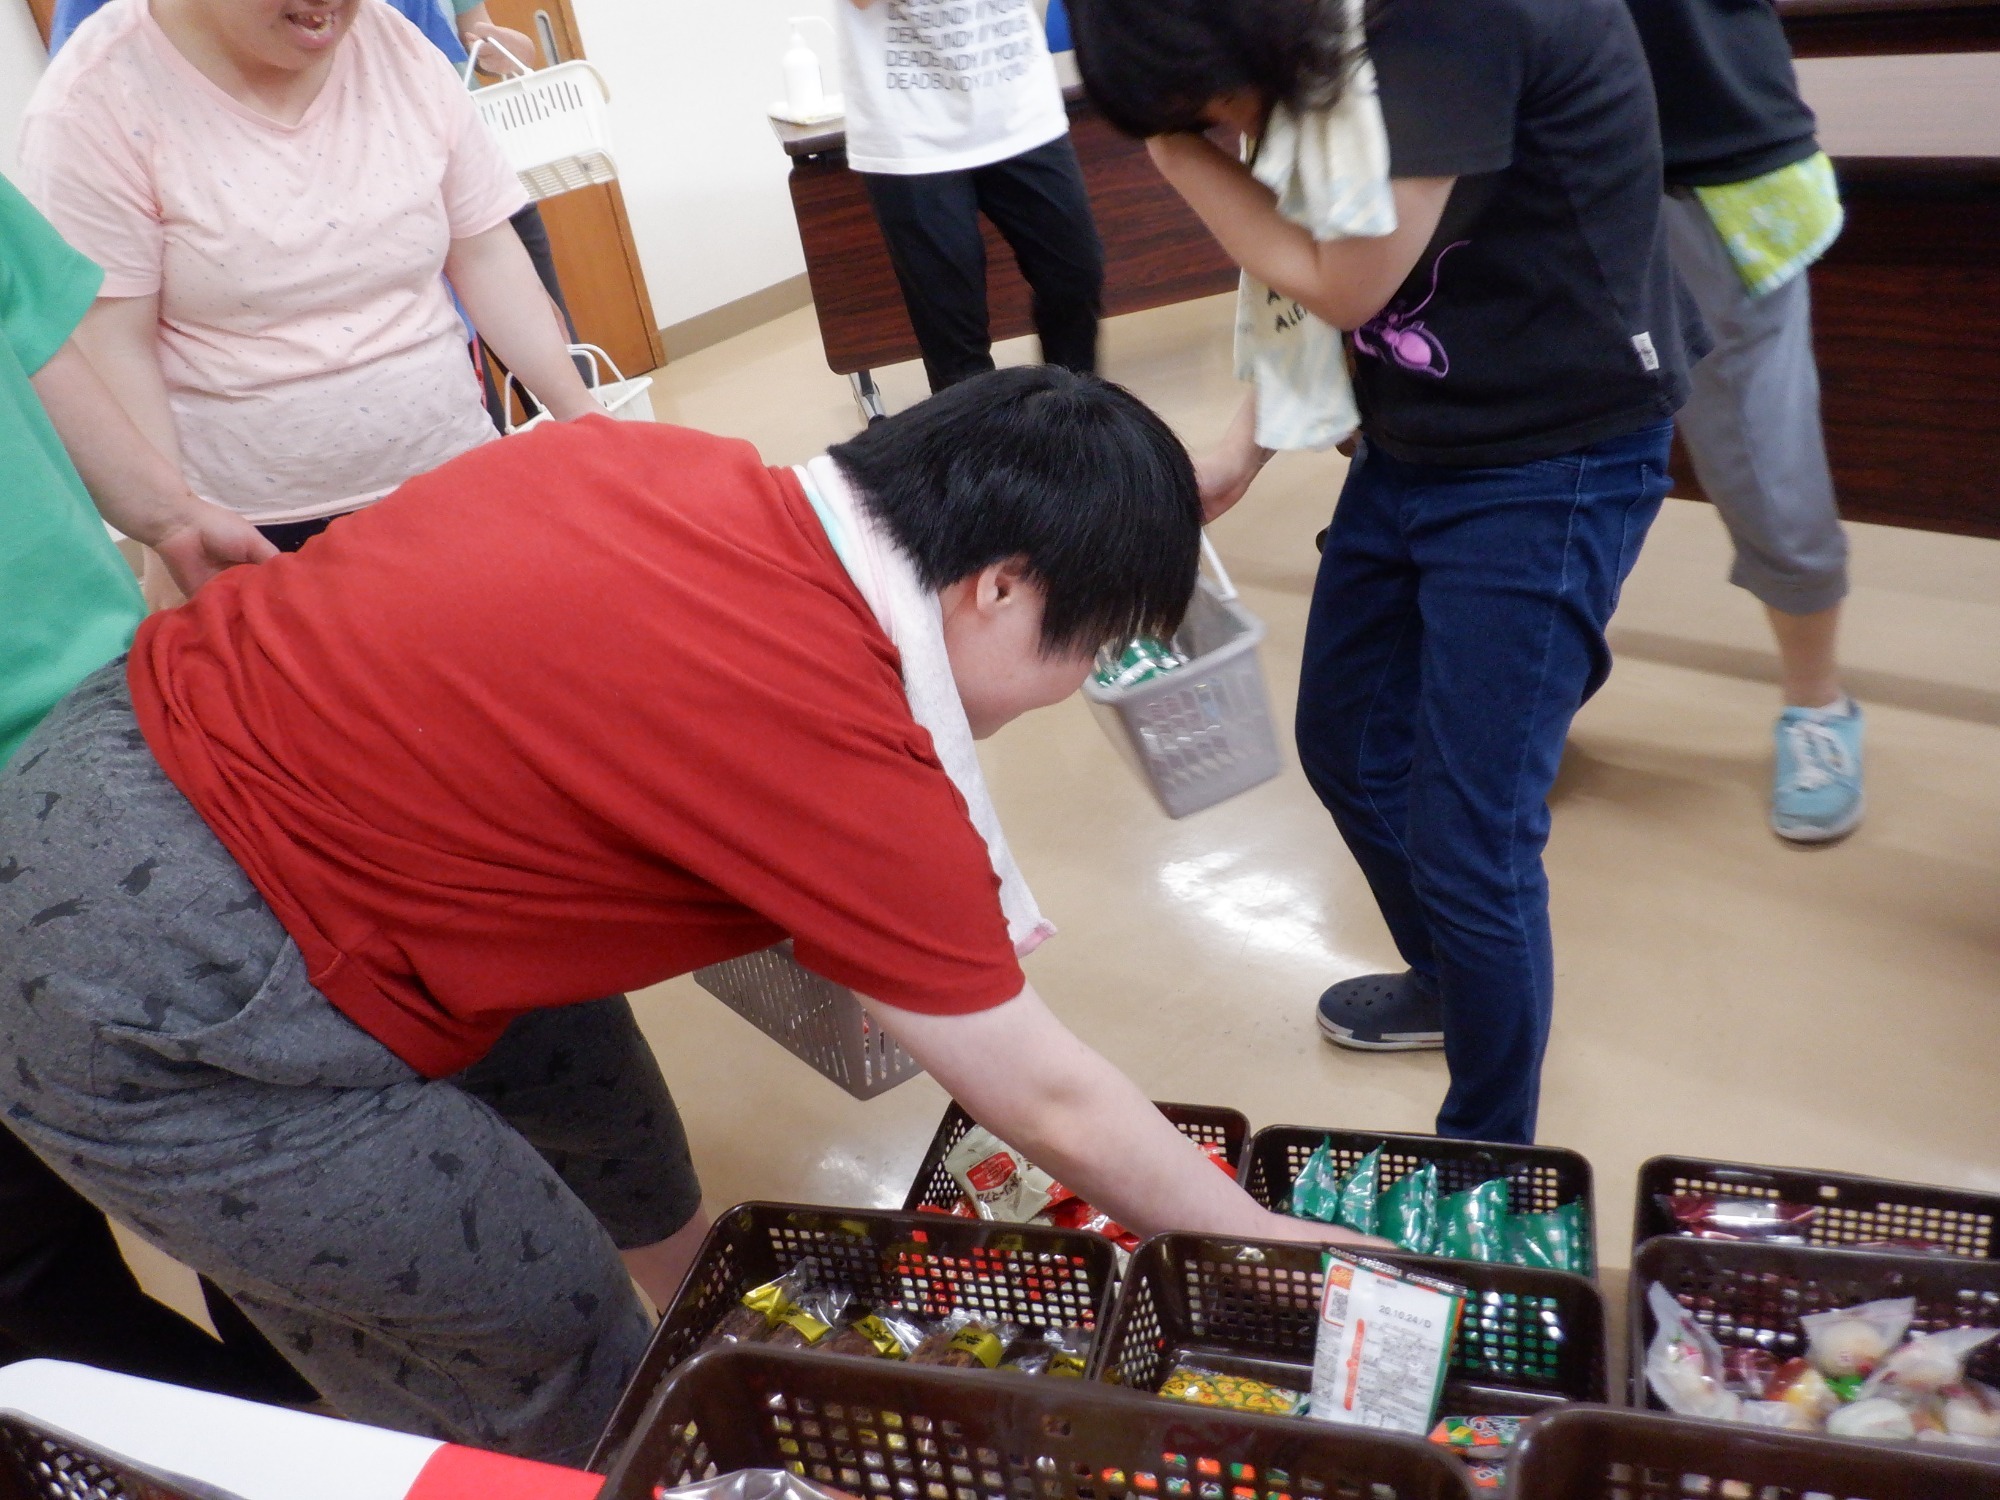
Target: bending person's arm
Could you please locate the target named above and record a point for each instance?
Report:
(496, 281)
(1344, 282)
(134, 486)
(1027, 1078)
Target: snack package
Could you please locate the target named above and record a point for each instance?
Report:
(1850, 1341)
(1684, 1364)
(1877, 1417)
(1141, 661)
(998, 1181)
(1971, 1414)
(886, 1333)
(1927, 1363)
(1359, 1194)
(806, 1317)
(1477, 1434)
(1407, 1212)
(1554, 1241)
(763, 1310)
(1475, 1225)
(1485, 1477)
(752, 1484)
(1798, 1385)
(1316, 1190)
(1384, 1343)
(1074, 1213)
(963, 1342)
(1713, 1216)
(1062, 1353)
(1201, 1386)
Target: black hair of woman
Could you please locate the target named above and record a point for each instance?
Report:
(1071, 473)
(1152, 67)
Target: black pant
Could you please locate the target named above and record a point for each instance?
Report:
(1038, 203)
(66, 1293)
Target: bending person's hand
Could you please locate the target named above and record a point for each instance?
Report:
(203, 540)
(1026, 1077)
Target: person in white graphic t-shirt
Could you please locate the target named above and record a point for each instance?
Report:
(953, 110)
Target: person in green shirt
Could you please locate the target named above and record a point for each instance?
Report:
(68, 604)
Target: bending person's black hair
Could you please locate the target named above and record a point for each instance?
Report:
(1152, 66)
(1072, 473)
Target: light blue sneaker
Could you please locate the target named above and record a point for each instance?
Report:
(1816, 796)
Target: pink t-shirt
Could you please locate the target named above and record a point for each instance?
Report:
(312, 355)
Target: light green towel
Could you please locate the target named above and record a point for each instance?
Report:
(1776, 225)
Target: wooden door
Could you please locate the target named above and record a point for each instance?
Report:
(592, 239)
(44, 12)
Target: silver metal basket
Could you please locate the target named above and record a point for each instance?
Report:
(1202, 732)
(812, 1018)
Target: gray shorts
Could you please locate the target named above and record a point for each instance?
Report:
(439, 1257)
(1752, 427)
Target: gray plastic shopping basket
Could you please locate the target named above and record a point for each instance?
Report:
(813, 1018)
(1202, 732)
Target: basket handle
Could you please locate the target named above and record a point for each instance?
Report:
(513, 383)
(1225, 589)
(472, 60)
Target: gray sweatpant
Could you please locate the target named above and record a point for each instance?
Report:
(1752, 427)
(440, 1257)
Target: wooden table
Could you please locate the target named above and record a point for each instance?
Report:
(1907, 303)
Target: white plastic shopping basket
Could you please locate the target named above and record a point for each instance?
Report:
(552, 123)
(627, 400)
(1202, 732)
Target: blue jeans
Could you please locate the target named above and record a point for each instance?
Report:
(1457, 626)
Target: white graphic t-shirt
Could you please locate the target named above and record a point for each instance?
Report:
(946, 85)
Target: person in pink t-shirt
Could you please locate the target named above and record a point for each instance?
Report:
(277, 190)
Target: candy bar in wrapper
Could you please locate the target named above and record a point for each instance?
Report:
(1200, 1386)
(1384, 1343)
(1477, 1434)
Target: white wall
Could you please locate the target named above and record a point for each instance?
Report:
(703, 176)
(21, 60)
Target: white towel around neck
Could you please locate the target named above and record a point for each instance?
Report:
(1330, 171)
(911, 617)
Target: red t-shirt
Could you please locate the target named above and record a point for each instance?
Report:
(575, 713)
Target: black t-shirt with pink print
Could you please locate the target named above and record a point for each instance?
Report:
(1543, 316)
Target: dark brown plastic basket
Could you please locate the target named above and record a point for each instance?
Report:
(41, 1463)
(1539, 1178)
(1852, 1210)
(1596, 1453)
(1202, 1123)
(924, 1263)
(883, 1431)
(1752, 1295)
(1530, 1338)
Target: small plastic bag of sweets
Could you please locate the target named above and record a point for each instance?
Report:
(1360, 1194)
(1876, 1417)
(883, 1334)
(1714, 1216)
(1406, 1213)
(1143, 659)
(808, 1318)
(1200, 1386)
(1316, 1190)
(964, 1342)
(1477, 1434)
(1058, 1352)
(1474, 1225)
(1684, 1363)
(1798, 1385)
(1074, 1213)
(1555, 1241)
(998, 1181)
(755, 1314)
(1971, 1413)
(1850, 1342)
(1927, 1363)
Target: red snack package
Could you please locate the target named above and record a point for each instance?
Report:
(1711, 1216)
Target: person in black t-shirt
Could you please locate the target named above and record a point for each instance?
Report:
(1741, 160)
(1519, 348)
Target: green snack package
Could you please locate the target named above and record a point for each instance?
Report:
(1407, 1212)
(1316, 1190)
(1474, 1225)
(1558, 1241)
(1358, 1194)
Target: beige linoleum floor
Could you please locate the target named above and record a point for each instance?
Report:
(1718, 993)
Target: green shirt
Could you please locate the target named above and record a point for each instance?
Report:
(68, 602)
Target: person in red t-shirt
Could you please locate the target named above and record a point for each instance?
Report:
(312, 903)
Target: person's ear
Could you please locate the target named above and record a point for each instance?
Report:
(1000, 585)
